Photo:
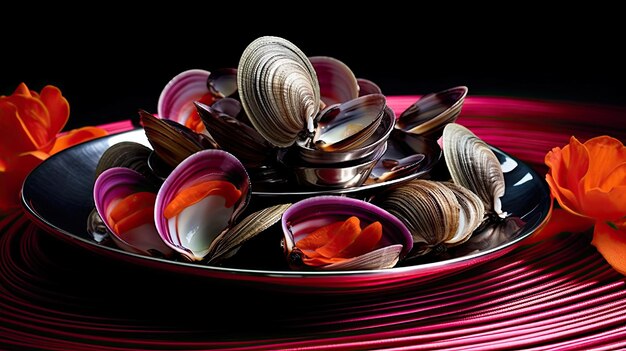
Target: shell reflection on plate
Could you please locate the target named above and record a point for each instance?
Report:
(311, 129)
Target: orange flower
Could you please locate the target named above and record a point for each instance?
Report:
(610, 240)
(589, 180)
(31, 122)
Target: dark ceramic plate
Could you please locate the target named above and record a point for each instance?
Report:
(58, 194)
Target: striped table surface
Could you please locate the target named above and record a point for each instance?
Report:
(557, 294)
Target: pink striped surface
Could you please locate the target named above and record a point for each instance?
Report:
(558, 294)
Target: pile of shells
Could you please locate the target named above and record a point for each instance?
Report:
(282, 120)
(194, 212)
(444, 214)
(299, 121)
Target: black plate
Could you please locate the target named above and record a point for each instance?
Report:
(58, 194)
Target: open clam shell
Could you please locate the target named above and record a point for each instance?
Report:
(349, 125)
(337, 82)
(473, 165)
(471, 214)
(230, 241)
(230, 107)
(220, 189)
(437, 214)
(367, 87)
(432, 112)
(130, 155)
(305, 216)
(139, 236)
(249, 146)
(222, 82)
(171, 141)
(316, 156)
(406, 154)
(278, 89)
(176, 99)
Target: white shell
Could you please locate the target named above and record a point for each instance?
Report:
(436, 213)
(474, 166)
(278, 88)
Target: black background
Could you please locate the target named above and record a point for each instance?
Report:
(109, 67)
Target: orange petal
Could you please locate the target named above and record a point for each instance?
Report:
(130, 204)
(611, 243)
(318, 238)
(76, 136)
(605, 205)
(562, 195)
(321, 261)
(613, 177)
(193, 194)
(58, 108)
(12, 176)
(194, 122)
(576, 159)
(561, 221)
(365, 242)
(345, 236)
(134, 220)
(567, 167)
(22, 89)
(20, 116)
(605, 153)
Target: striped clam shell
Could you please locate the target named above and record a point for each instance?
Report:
(278, 88)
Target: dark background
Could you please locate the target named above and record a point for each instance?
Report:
(108, 68)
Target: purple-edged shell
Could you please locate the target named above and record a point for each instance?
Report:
(307, 215)
(367, 87)
(194, 231)
(337, 82)
(176, 99)
(113, 185)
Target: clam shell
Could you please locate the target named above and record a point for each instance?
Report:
(228, 106)
(115, 184)
(176, 99)
(96, 227)
(437, 215)
(338, 175)
(222, 82)
(349, 125)
(432, 112)
(307, 215)
(406, 154)
(337, 82)
(127, 154)
(474, 166)
(204, 221)
(171, 141)
(367, 87)
(249, 146)
(229, 242)
(278, 88)
(381, 134)
(471, 215)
